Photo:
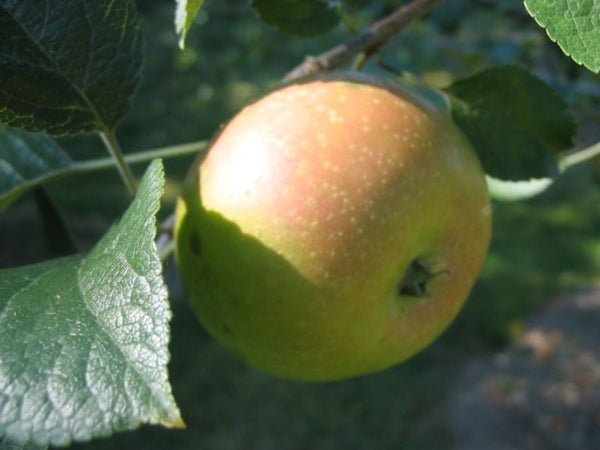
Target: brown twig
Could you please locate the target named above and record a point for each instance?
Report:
(367, 42)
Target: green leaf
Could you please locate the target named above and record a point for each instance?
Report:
(28, 160)
(25, 159)
(516, 122)
(68, 67)
(513, 191)
(573, 25)
(8, 445)
(184, 17)
(83, 339)
(298, 17)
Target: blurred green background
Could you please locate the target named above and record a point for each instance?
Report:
(541, 248)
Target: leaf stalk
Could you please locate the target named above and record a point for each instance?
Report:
(114, 148)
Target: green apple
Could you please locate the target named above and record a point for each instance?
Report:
(334, 228)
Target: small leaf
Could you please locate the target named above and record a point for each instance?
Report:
(573, 25)
(298, 17)
(83, 339)
(517, 123)
(184, 17)
(25, 158)
(67, 67)
(512, 191)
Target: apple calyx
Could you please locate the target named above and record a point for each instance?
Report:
(416, 279)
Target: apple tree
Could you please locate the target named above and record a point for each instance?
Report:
(84, 336)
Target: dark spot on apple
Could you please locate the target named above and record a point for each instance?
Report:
(227, 330)
(195, 243)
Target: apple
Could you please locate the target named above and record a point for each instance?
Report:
(334, 227)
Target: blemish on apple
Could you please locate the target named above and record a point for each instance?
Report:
(195, 243)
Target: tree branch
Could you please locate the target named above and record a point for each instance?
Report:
(367, 42)
(581, 155)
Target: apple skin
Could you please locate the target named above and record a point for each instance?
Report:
(302, 231)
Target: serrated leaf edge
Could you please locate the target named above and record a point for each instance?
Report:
(558, 42)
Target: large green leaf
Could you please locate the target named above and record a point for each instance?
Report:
(185, 14)
(67, 66)
(83, 339)
(25, 159)
(298, 17)
(574, 25)
(516, 122)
